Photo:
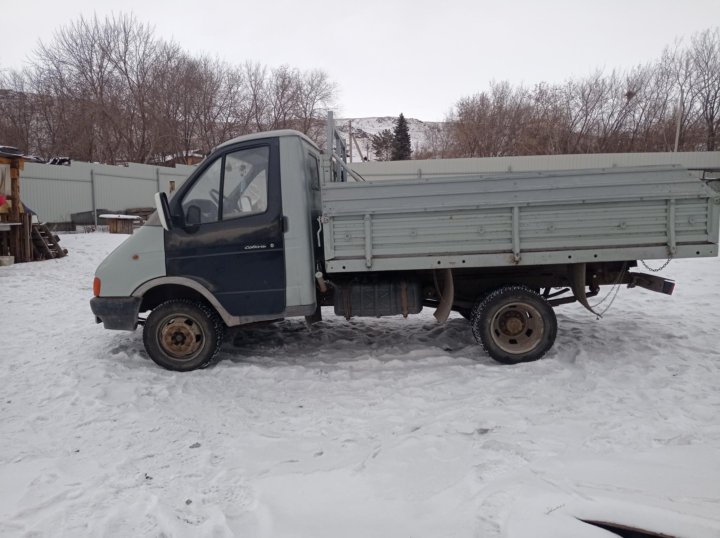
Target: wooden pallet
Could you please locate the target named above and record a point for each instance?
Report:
(45, 243)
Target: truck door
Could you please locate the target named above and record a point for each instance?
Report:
(230, 232)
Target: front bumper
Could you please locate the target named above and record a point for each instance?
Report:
(118, 313)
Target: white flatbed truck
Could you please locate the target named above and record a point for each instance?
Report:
(269, 226)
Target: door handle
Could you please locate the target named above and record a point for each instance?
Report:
(285, 224)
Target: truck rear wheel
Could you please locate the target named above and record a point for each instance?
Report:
(182, 335)
(514, 324)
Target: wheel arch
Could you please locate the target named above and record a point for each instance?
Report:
(157, 291)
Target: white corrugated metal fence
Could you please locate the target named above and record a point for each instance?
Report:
(55, 192)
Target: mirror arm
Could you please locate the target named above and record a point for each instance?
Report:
(163, 209)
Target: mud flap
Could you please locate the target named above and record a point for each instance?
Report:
(447, 296)
(577, 282)
(315, 317)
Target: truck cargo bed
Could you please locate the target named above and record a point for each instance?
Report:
(519, 218)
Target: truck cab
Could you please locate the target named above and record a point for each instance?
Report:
(234, 245)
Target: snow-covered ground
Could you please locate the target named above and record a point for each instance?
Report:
(367, 428)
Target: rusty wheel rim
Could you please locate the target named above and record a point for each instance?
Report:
(517, 328)
(181, 337)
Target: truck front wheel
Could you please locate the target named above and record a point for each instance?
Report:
(182, 335)
(514, 324)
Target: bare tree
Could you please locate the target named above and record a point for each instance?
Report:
(108, 90)
(283, 88)
(16, 110)
(256, 77)
(316, 94)
(705, 53)
(638, 110)
(490, 124)
(439, 143)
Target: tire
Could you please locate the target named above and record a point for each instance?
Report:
(515, 324)
(466, 313)
(470, 313)
(183, 335)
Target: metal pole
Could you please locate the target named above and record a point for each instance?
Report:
(330, 133)
(350, 136)
(362, 157)
(92, 194)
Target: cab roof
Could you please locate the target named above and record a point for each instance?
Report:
(268, 134)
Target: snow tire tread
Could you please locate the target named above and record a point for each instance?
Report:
(215, 322)
(478, 321)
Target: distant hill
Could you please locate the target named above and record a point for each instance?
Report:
(364, 128)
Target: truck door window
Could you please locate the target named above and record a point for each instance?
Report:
(204, 196)
(245, 182)
(313, 171)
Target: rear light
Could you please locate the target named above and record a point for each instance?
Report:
(96, 287)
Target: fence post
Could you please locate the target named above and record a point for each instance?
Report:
(92, 193)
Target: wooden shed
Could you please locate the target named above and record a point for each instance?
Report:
(21, 239)
(120, 224)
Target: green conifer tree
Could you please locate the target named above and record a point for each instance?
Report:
(401, 148)
(382, 144)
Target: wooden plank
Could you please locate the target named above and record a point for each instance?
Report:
(59, 252)
(26, 238)
(41, 244)
(17, 243)
(15, 167)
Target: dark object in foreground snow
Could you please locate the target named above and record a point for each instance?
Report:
(626, 532)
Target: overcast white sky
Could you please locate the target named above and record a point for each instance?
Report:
(390, 56)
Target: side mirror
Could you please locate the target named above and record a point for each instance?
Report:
(193, 217)
(163, 210)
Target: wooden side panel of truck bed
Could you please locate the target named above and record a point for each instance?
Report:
(528, 218)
